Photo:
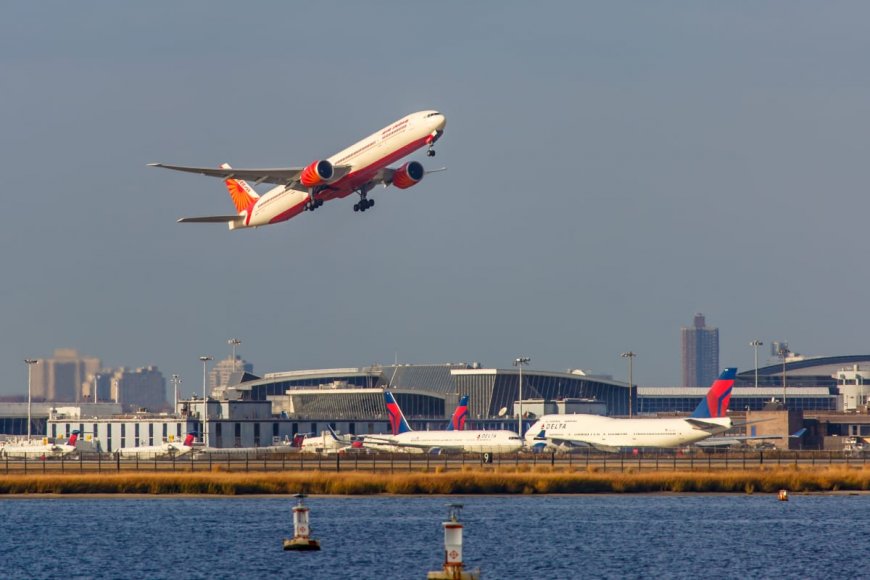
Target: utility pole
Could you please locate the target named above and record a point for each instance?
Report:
(630, 356)
(520, 362)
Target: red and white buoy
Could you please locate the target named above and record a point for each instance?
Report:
(454, 568)
(301, 528)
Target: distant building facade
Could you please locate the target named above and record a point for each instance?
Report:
(60, 377)
(700, 353)
(143, 388)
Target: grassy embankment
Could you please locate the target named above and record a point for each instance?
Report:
(470, 481)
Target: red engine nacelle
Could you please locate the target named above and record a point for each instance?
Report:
(318, 173)
(408, 174)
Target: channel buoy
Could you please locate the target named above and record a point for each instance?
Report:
(301, 528)
(453, 568)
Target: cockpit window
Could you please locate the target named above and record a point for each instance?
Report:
(432, 114)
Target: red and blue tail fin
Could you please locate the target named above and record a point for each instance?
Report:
(188, 441)
(72, 439)
(715, 404)
(298, 438)
(457, 422)
(398, 424)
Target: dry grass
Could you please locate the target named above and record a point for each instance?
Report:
(490, 481)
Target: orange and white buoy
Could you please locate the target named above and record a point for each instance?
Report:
(783, 495)
(301, 528)
(454, 568)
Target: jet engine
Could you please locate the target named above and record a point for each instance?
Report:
(318, 173)
(408, 174)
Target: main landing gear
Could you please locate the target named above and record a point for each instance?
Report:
(363, 204)
(314, 204)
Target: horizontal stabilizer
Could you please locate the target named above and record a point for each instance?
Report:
(211, 219)
(704, 425)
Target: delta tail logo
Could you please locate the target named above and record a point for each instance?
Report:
(715, 404)
(397, 419)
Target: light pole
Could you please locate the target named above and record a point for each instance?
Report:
(176, 380)
(630, 356)
(234, 342)
(783, 352)
(96, 378)
(30, 362)
(204, 359)
(756, 343)
(520, 362)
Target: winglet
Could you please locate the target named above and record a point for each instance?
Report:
(332, 432)
(715, 404)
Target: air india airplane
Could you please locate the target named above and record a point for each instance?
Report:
(357, 169)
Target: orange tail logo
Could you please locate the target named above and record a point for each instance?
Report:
(241, 193)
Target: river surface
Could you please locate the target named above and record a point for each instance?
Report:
(528, 537)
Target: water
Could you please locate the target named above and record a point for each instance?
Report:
(528, 537)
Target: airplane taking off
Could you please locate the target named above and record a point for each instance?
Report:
(357, 169)
(610, 434)
(31, 449)
(478, 441)
(167, 449)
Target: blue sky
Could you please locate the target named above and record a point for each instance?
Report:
(613, 169)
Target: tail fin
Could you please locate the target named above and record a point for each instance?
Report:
(398, 424)
(188, 441)
(332, 433)
(242, 194)
(457, 422)
(297, 440)
(72, 439)
(715, 404)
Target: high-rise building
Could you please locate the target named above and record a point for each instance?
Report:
(700, 353)
(220, 373)
(60, 377)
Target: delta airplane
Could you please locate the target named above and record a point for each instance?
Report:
(344, 443)
(167, 449)
(357, 169)
(26, 449)
(610, 434)
(476, 441)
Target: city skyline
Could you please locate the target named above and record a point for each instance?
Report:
(611, 169)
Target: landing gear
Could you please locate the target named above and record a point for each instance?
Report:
(314, 204)
(363, 204)
(430, 153)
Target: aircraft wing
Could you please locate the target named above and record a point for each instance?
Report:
(573, 442)
(731, 440)
(209, 219)
(278, 176)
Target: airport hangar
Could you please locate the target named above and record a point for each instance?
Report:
(255, 410)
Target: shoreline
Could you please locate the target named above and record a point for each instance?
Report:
(543, 481)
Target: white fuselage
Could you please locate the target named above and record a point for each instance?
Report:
(612, 433)
(477, 441)
(155, 451)
(365, 158)
(33, 449)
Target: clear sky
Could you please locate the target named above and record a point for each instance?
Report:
(614, 167)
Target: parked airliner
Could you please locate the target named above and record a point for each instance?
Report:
(38, 449)
(477, 441)
(167, 449)
(357, 169)
(611, 434)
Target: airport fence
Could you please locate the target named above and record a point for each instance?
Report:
(418, 462)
